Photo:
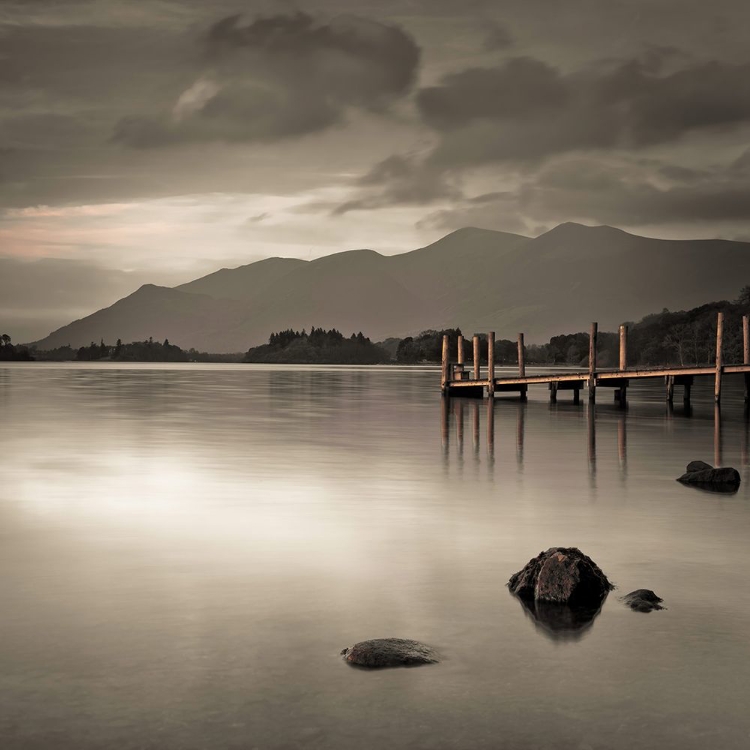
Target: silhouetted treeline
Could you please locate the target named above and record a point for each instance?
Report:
(428, 347)
(11, 352)
(318, 347)
(687, 337)
(135, 351)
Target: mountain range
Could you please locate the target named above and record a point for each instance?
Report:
(475, 279)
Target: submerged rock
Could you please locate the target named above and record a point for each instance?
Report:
(561, 575)
(642, 600)
(704, 476)
(389, 652)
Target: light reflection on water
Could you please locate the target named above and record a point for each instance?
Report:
(186, 549)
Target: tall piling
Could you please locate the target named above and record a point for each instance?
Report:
(719, 356)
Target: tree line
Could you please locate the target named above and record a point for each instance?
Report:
(319, 346)
(687, 337)
(9, 352)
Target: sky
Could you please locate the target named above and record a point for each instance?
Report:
(159, 140)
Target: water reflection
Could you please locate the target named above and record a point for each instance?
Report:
(455, 409)
(560, 622)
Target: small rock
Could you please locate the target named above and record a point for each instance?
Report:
(642, 600)
(697, 466)
(562, 575)
(725, 479)
(389, 652)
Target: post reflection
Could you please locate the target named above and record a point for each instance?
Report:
(444, 426)
(520, 430)
(591, 430)
(622, 442)
(718, 442)
(475, 429)
(491, 431)
(459, 412)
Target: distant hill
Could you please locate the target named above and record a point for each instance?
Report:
(475, 279)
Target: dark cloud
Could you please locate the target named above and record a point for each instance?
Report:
(591, 190)
(624, 193)
(400, 180)
(282, 76)
(526, 109)
(497, 210)
(497, 37)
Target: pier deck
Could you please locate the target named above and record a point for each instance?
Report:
(457, 380)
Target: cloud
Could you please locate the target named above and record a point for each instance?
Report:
(497, 210)
(497, 37)
(619, 194)
(281, 76)
(525, 109)
(400, 180)
(635, 193)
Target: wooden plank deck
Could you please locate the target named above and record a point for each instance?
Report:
(457, 378)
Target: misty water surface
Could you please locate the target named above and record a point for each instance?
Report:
(186, 549)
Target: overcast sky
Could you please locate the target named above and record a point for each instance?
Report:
(157, 140)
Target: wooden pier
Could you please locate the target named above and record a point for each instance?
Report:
(457, 380)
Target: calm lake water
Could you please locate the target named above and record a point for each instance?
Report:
(186, 549)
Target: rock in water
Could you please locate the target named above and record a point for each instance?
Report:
(561, 575)
(643, 600)
(389, 652)
(703, 475)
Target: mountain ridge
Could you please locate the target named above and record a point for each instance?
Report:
(472, 278)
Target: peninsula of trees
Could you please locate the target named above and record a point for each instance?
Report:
(11, 353)
(318, 347)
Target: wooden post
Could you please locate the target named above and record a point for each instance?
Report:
(670, 389)
(445, 366)
(522, 364)
(460, 359)
(553, 393)
(592, 361)
(475, 343)
(491, 363)
(719, 358)
(623, 348)
(746, 353)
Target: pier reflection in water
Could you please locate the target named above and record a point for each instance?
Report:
(456, 409)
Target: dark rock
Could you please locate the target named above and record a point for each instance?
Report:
(389, 652)
(643, 600)
(561, 575)
(719, 480)
(697, 466)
